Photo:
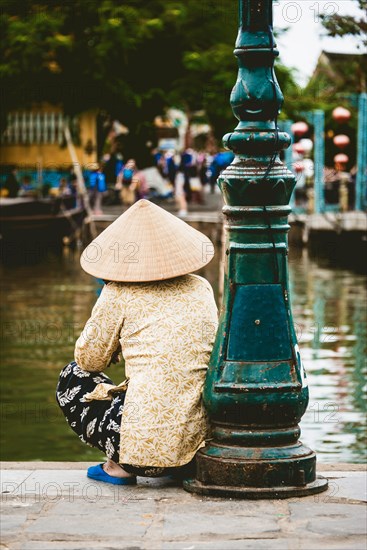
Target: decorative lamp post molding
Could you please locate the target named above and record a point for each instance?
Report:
(256, 389)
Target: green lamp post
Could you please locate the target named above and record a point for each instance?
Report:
(256, 388)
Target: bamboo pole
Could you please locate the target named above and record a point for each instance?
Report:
(82, 190)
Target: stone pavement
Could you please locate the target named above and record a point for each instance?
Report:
(54, 506)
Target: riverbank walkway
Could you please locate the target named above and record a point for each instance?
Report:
(347, 230)
(54, 506)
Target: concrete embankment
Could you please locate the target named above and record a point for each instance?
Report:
(336, 233)
(345, 229)
(53, 505)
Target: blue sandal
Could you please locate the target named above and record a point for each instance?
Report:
(98, 473)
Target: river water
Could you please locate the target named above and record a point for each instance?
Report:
(45, 304)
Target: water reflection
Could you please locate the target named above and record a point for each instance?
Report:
(44, 307)
(330, 316)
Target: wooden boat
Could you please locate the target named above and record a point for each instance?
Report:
(38, 221)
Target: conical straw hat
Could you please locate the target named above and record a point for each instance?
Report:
(146, 243)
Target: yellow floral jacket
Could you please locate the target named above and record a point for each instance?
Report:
(166, 330)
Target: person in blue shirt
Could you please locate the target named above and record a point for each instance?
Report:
(220, 162)
(27, 189)
(97, 184)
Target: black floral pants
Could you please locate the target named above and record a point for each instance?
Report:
(97, 423)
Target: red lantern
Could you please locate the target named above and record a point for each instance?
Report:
(298, 148)
(307, 144)
(341, 141)
(298, 167)
(341, 158)
(340, 114)
(299, 128)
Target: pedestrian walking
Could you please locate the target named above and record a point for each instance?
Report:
(97, 183)
(27, 189)
(180, 194)
(131, 183)
(189, 169)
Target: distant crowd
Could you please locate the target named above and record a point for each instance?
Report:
(190, 173)
(186, 176)
(25, 187)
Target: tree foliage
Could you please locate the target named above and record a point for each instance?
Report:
(348, 25)
(127, 58)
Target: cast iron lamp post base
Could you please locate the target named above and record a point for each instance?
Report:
(225, 471)
(254, 493)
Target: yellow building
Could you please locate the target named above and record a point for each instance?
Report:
(34, 139)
